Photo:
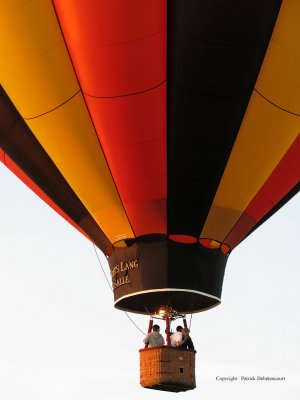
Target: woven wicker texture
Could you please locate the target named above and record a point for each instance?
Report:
(167, 368)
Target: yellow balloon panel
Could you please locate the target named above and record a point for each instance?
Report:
(286, 31)
(69, 138)
(265, 135)
(34, 64)
(279, 78)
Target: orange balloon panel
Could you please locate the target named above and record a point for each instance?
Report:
(135, 147)
(122, 70)
(117, 47)
(79, 157)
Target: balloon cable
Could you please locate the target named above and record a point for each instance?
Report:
(103, 271)
(190, 321)
(102, 268)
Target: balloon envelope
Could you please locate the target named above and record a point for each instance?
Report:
(165, 131)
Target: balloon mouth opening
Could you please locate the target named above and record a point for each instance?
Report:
(183, 301)
(208, 243)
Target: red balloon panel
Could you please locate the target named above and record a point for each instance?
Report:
(132, 132)
(117, 47)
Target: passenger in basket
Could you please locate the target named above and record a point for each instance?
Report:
(154, 338)
(186, 342)
(176, 338)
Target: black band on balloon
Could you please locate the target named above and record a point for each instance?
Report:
(147, 275)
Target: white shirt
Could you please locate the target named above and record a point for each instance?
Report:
(176, 337)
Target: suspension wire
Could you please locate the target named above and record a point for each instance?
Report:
(130, 319)
(102, 268)
(190, 321)
(109, 284)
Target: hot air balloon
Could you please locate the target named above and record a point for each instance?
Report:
(164, 131)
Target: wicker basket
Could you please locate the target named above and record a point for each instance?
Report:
(167, 368)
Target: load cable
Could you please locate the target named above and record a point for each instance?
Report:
(107, 280)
